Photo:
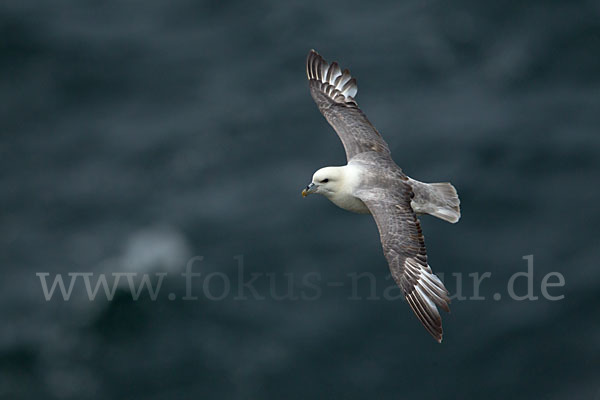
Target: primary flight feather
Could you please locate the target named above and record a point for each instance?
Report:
(372, 183)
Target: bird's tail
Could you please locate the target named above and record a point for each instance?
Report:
(437, 199)
(448, 208)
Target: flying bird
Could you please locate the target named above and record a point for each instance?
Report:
(372, 183)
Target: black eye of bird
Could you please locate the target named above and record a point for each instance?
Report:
(325, 180)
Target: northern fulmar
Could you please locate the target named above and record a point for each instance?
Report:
(372, 183)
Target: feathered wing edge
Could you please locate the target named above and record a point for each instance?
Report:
(338, 85)
(426, 292)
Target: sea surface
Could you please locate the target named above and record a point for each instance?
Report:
(151, 138)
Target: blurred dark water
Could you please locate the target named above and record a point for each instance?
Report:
(136, 135)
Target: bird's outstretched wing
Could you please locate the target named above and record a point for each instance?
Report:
(404, 248)
(333, 90)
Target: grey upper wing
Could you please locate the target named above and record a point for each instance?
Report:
(334, 91)
(404, 248)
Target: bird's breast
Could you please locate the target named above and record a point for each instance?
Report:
(349, 203)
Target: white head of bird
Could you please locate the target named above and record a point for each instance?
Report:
(337, 184)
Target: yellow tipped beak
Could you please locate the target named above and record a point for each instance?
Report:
(309, 189)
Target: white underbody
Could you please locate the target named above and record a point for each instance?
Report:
(349, 202)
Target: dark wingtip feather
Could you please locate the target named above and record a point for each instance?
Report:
(338, 85)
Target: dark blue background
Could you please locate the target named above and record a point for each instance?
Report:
(136, 134)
